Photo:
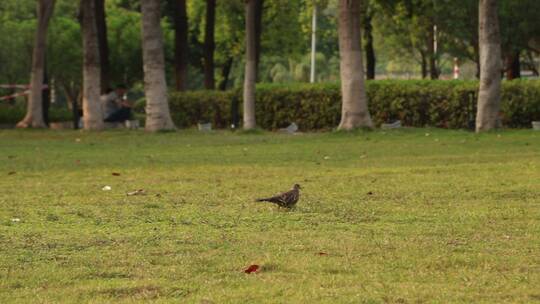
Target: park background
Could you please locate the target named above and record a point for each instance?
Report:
(402, 40)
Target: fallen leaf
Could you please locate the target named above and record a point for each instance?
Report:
(116, 174)
(11, 172)
(322, 253)
(106, 188)
(252, 268)
(136, 192)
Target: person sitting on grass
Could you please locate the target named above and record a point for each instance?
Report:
(116, 107)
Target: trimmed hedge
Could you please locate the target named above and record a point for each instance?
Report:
(418, 103)
(10, 114)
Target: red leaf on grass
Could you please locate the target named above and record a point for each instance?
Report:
(116, 174)
(251, 269)
(11, 173)
(322, 253)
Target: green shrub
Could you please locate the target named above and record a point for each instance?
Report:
(10, 114)
(521, 103)
(418, 103)
(190, 108)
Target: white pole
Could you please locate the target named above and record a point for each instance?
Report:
(456, 68)
(435, 39)
(313, 43)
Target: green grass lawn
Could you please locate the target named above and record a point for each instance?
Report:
(408, 216)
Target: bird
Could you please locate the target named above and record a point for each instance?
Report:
(286, 199)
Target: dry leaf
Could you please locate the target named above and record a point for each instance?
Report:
(116, 174)
(252, 268)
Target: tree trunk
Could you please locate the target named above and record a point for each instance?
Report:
(158, 116)
(513, 65)
(259, 5)
(34, 109)
(433, 71)
(370, 52)
(181, 44)
(103, 44)
(477, 58)
(489, 94)
(46, 94)
(251, 67)
(92, 115)
(423, 64)
(225, 72)
(209, 45)
(354, 111)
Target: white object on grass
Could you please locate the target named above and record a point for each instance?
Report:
(395, 125)
(292, 128)
(205, 126)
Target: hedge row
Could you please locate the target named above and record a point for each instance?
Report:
(10, 114)
(419, 103)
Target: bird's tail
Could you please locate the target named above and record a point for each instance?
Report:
(262, 200)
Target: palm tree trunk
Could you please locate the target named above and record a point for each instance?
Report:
(209, 45)
(101, 23)
(251, 67)
(181, 44)
(423, 64)
(225, 72)
(92, 115)
(370, 51)
(513, 65)
(158, 116)
(354, 111)
(433, 70)
(34, 109)
(489, 94)
(259, 7)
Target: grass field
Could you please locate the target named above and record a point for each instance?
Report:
(408, 216)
